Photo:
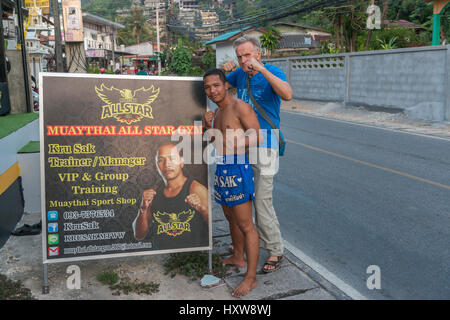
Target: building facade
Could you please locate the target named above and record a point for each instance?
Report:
(100, 39)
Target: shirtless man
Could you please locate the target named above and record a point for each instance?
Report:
(233, 181)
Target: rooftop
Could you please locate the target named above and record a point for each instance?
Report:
(87, 17)
(230, 35)
(297, 41)
(402, 24)
(296, 25)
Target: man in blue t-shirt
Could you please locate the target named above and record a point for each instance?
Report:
(268, 85)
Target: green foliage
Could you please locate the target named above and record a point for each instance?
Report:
(209, 59)
(93, 69)
(270, 39)
(193, 265)
(351, 36)
(139, 25)
(162, 56)
(403, 38)
(354, 32)
(329, 48)
(13, 290)
(196, 71)
(181, 60)
(105, 8)
(417, 11)
(387, 45)
(96, 69)
(108, 277)
(126, 285)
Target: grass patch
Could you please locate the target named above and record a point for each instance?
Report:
(125, 285)
(31, 147)
(13, 122)
(194, 265)
(13, 290)
(108, 277)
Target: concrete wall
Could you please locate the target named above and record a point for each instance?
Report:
(415, 80)
(11, 209)
(30, 171)
(12, 143)
(16, 83)
(224, 53)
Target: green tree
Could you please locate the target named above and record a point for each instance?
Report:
(404, 37)
(180, 60)
(269, 40)
(105, 8)
(140, 25)
(348, 21)
(209, 58)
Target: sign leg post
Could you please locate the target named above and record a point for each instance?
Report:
(45, 287)
(210, 261)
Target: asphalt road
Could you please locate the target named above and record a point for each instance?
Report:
(351, 196)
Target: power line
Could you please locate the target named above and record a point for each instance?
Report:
(256, 19)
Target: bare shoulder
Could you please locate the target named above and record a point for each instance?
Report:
(196, 187)
(242, 107)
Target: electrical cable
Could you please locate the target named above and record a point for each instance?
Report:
(256, 18)
(241, 22)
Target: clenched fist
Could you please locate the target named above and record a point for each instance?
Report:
(229, 66)
(209, 116)
(147, 198)
(254, 64)
(194, 201)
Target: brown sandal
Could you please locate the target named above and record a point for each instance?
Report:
(275, 264)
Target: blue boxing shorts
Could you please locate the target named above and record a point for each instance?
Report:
(233, 181)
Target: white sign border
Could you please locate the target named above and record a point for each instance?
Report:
(42, 167)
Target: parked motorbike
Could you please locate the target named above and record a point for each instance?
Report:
(35, 93)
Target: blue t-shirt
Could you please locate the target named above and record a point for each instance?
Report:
(264, 94)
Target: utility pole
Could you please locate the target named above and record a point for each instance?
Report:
(113, 49)
(5, 103)
(157, 40)
(169, 34)
(23, 49)
(58, 39)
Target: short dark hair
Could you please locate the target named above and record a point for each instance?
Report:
(215, 71)
(170, 143)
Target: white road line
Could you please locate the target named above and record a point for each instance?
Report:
(366, 125)
(325, 273)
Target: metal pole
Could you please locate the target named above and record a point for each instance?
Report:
(436, 29)
(5, 102)
(3, 72)
(157, 40)
(58, 38)
(23, 49)
(113, 48)
(45, 287)
(210, 262)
